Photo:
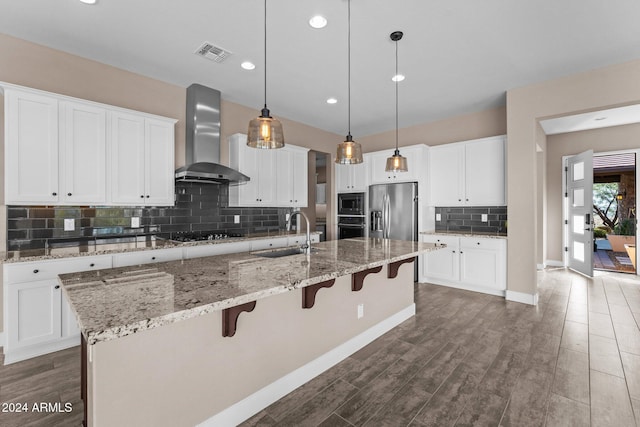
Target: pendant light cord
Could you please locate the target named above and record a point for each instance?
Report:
(396, 79)
(265, 53)
(349, 67)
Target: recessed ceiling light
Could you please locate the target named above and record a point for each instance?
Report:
(318, 21)
(88, 1)
(332, 101)
(397, 78)
(248, 65)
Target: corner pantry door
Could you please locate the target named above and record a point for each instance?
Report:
(579, 173)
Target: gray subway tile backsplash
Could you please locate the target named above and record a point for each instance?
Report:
(198, 208)
(469, 219)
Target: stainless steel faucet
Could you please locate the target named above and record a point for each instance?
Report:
(307, 245)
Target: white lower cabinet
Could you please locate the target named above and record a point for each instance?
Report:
(37, 316)
(274, 242)
(473, 263)
(147, 257)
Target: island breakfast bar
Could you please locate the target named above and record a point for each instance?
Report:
(213, 340)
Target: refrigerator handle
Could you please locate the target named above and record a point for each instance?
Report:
(384, 215)
(388, 216)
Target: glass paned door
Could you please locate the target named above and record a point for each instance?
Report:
(580, 193)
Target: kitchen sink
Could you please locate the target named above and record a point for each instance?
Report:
(277, 253)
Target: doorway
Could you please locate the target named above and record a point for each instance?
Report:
(614, 212)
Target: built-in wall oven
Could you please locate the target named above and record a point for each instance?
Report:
(351, 215)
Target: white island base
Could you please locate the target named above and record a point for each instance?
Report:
(186, 373)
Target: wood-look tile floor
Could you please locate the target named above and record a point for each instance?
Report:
(464, 359)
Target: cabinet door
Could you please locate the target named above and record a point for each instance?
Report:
(484, 172)
(159, 163)
(482, 262)
(343, 178)
(358, 176)
(31, 148)
(83, 154)
(446, 175)
(442, 264)
(267, 180)
(127, 159)
(300, 178)
(33, 313)
(378, 165)
(147, 257)
(284, 177)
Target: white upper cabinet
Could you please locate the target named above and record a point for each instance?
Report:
(31, 148)
(278, 178)
(470, 173)
(82, 154)
(352, 178)
(65, 151)
(142, 161)
(292, 168)
(415, 165)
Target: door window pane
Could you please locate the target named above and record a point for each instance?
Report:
(578, 226)
(578, 171)
(578, 197)
(578, 251)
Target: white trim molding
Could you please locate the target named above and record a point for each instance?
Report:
(243, 410)
(553, 263)
(531, 299)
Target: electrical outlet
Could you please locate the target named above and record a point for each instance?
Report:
(360, 311)
(135, 221)
(484, 218)
(69, 224)
(438, 217)
(236, 219)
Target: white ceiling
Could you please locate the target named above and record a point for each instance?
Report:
(459, 56)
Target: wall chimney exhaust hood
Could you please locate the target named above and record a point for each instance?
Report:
(203, 140)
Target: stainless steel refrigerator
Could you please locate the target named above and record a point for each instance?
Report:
(393, 211)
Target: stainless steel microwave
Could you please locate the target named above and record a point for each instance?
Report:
(351, 204)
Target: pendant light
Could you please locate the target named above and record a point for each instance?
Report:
(265, 131)
(349, 151)
(396, 163)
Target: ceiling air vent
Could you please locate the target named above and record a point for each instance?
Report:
(212, 52)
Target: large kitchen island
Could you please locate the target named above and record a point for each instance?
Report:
(214, 340)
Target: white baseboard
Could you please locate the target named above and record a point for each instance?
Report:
(264, 397)
(17, 355)
(522, 297)
(540, 266)
(2, 339)
(474, 288)
(554, 263)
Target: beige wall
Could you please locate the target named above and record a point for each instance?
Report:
(590, 91)
(600, 140)
(469, 126)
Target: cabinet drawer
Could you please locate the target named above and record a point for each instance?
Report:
(450, 241)
(258, 245)
(199, 251)
(147, 257)
(482, 243)
(45, 270)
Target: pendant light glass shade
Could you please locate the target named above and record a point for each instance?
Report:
(349, 152)
(397, 162)
(265, 131)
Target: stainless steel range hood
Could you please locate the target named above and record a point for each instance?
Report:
(203, 140)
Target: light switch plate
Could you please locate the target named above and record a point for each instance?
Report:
(484, 218)
(69, 224)
(236, 219)
(135, 221)
(438, 217)
(360, 311)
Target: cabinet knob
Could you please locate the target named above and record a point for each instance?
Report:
(270, 244)
(142, 196)
(453, 252)
(153, 258)
(92, 265)
(467, 200)
(54, 194)
(477, 243)
(461, 252)
(57, 287)
(147, 196)
(36, 271)
(459, 200)
(290, 200)
(68, 194)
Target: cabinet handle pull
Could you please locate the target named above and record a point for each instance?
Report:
(36, 271)
(68, 194)
(54, 194)
(57, 287)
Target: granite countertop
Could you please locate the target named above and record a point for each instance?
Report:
(159, 243)
(116, 302)
(467, 234)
